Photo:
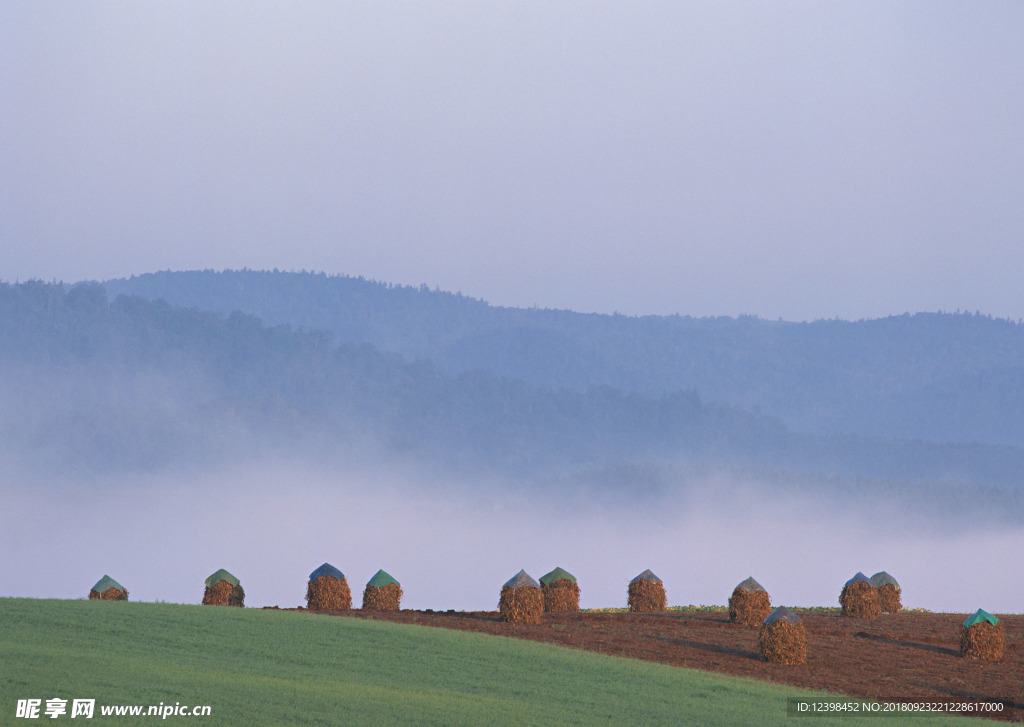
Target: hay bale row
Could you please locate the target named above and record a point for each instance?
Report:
(521, 600)
(859, 598)
(749, 603)
(560, 591)
(107, 589)
(983, 637)
(223, 589)
(382, 593)
(783, 638)
(647, 593)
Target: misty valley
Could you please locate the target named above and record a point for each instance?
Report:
(293, 418)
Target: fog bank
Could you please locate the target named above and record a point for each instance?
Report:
(271, 524)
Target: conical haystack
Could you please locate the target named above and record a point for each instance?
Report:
(382, 593)
(521, 600)
(888, 592)
(107, 589)
(783, 638)
(647, 593)
(749, 603)
(982, 636)
(859, 598)
(328, 590)
(560, 590)
(223, 589)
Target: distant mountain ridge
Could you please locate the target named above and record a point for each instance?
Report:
(87, 382)
(939, 377)
(94, 387)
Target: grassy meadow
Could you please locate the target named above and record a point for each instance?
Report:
(265, 667)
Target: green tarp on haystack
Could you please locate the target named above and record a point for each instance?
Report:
(106, 583)
(980, 616)
(221, 575)
(558, 574)
(382, 578)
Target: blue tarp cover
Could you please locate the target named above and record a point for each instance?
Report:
(326, 570)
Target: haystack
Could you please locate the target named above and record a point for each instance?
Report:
(647, 593)
(859, 598)
(982, 637)
(521, 601)
(888, 592)
(223, 589)
(328, 590)
(783, 638)
(560, 590)
(749, 603)
(107, 589)
(382, 593)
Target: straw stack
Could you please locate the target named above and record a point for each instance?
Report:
(560, 590)
(783, 638)
(982, 636)
(647, 593)
(749, 603)
(888, 592)
(521, 600)
(107, 589)
(382, 593)
(328, 590)
(223, 589)
(859, 598)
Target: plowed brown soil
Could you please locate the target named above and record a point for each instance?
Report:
(908, 657)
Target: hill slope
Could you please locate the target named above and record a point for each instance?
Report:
(265, 667)
(934, 376)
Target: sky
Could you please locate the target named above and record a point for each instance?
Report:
(795, 160)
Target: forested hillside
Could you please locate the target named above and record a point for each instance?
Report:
(942, 377)
(96, 384)
(132, 382)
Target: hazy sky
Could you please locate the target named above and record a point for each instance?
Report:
(785, 159)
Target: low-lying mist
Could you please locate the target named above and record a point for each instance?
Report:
(452, 544)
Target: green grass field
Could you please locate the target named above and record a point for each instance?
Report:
(286, 668)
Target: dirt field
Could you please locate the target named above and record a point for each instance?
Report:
(908, 657)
